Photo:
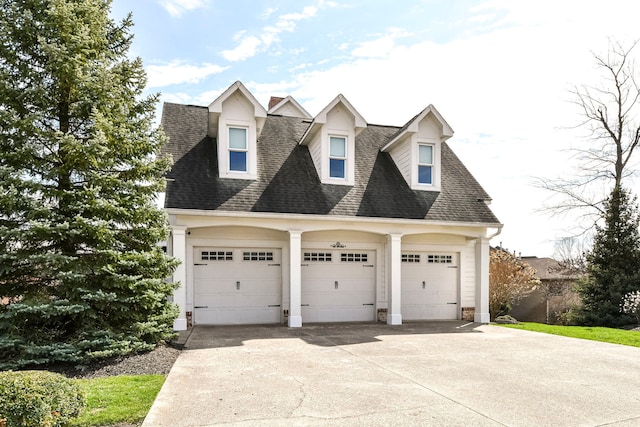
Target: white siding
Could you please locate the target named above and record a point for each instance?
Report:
(315, 149)
(401, 155)
(468, 275)
(290, 110)
(429, 128)
(435, 239)
(242, 234)
(237, 108)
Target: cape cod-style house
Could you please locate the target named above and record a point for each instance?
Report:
(283, 217)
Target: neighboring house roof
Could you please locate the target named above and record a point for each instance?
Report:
(548, 268)
(277, 104)
(288, 182)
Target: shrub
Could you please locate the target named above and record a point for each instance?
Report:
(631, 304)
(39, 399)
(510, 280)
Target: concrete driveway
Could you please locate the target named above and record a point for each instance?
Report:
(434, 373)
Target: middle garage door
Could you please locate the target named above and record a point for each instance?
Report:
(338, 286)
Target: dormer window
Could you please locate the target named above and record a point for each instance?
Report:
(236, 119)
(416, 149)
(331, 138)
(337, 157)
(238, 149)
(425, 164)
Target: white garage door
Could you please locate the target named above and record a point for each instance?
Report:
(429, 286)
(237, 286)
(338, 286)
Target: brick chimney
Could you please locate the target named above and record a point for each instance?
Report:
(275, 100)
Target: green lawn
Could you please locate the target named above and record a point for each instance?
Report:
(118, 399)
(610, 335)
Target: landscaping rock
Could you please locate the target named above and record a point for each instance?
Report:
(506, 320)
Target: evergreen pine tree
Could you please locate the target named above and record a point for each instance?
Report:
(613, 264)
(81, 272)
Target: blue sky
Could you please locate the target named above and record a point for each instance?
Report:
(499, 71)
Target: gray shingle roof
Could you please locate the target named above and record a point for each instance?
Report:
(288, 181)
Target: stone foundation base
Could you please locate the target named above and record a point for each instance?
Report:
(468, 313)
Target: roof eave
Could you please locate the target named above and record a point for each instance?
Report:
(330, 218)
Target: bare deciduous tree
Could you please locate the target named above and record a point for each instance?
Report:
(570, 252)
(611, 116)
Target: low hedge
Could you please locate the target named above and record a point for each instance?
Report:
(39, 399)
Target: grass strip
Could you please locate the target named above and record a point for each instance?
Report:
(594, 333)
(118, 399)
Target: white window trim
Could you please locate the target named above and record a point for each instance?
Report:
(238, 150)
(432, 164)
(224, 149)
(435, 167)
(345, 159)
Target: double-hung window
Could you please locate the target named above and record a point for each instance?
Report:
(425, 164)
(337, 157)
(238, 149)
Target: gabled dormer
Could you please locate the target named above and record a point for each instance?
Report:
(236, 120)
(417, 149)
(287, 107)
(331, 140)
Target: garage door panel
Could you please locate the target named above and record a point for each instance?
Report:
(341, 314)
(351, 299)
(241, 287)
(236, 316)
(429, 286)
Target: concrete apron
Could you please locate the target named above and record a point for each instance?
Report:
(427, 373)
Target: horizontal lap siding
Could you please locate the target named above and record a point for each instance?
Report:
(468, 275)
(316, 154)
(401, 155)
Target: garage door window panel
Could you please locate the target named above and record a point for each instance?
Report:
(257, 256)
(439, 259)
(317, 257)
(353, 257)
(216, 256)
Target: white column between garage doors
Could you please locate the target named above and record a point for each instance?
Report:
(430, 285)
(237, 285)
(338, 285)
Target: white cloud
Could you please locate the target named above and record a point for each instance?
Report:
(178, 72)
(380, 47)
(270, 11)
(246, 49)
(178, 7)
(250, 45)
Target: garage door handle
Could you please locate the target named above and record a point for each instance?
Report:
(368, 265)
(304, 305)
(273, 305)
(274, 265)
(199, 264)
(368, 304)
(452, 303)
(201, 306)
